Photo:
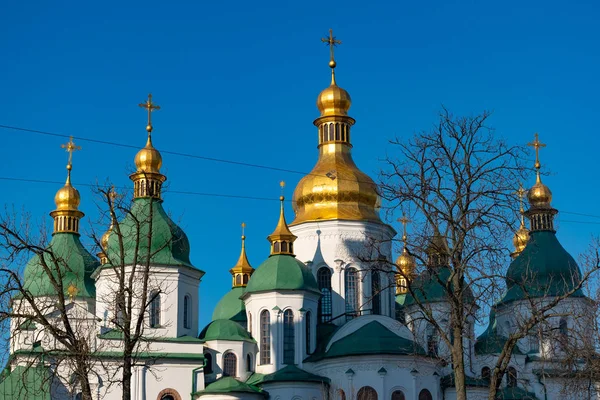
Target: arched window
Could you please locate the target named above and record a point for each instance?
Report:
(154, 309)
(375, 292)
(187, 311)
(425, 395)
(432, 340)
(351, 277)
(208, 363)
(324, 280)
(485, 373)
(288, 337)
(238, 279)
(307, 333)
(249, 366)
(511, 377)
(167, 397)
(230, 365)
(398, 395)
(367, 393)
(265, 337)
(78, 396)
(341, 395)
(563, 331)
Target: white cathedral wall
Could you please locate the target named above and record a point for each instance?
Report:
(410, 374)
(340, 244)
(576, 311)
(218, 348)
(173, 282)
(276, 303)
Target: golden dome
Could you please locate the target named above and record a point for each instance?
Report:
(521, 238)
(334, 101)
(67, 197)
(335, 189)
(148, 159)
(406, 263)
(104, 240)
(539, 195)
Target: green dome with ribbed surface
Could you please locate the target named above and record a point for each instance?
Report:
(225, 329)
(491, 341)
(169, 245)
(544, 268)
(282, 272)
(231, 307)
(69, 261)
(229, 385)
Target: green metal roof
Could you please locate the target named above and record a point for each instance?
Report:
(450, 381)
(282, 272)
(427, 287)
(491, 341)
(169, 245)
(544, 268)
(25, 383)
(290, 373)
(73, 264)
(229, 385)
(231, 307)
(225, 329)
(361, 342)
(514, 393)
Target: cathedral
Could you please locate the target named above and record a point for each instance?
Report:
(312, 321)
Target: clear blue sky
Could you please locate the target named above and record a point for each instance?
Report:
(239, 80)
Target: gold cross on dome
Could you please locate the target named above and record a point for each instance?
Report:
(70, 148)
(150, 106)
(537, 145)
(404, 221)
(521, 192)
(72, 290)
(331, 42)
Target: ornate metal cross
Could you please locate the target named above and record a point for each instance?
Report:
(537, 145)
(150, 106)
(331, 42)
(70, 148)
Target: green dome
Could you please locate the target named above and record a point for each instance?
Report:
(231, 307)
(225, 329)
(428, 287)
(544, 268)
(169, 244)
(282, 272)
(74, 263)
(491, 341)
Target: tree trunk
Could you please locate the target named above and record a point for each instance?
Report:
(458, 364)
(127, 367)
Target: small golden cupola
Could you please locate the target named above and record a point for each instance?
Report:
(521, 236)
(147, 178)
(405, 262)
(112, 195)
(242, 271)
(67, 199)
(282, 239)
(541, 214)
(438, 251)
(335, 188)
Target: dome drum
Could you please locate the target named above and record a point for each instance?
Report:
(66, 220)
(147, 184)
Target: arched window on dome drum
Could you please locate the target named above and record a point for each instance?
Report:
(284, 247)
(351, 278)
(288, 337)
(432, 340)
(325, 132)
(265, 337)
(249, 366)
(485, 373)
(337, 131)
(230, 365)
(367, 393)
(398, 395)
(425, 395)
(276, 247)
(375, 292)
(187, 311)
(238, 279)
(154, 309)
(563, 332)
(208, 363)
(511, 377)
(245, 279)
(324, 281)
(307, 333)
